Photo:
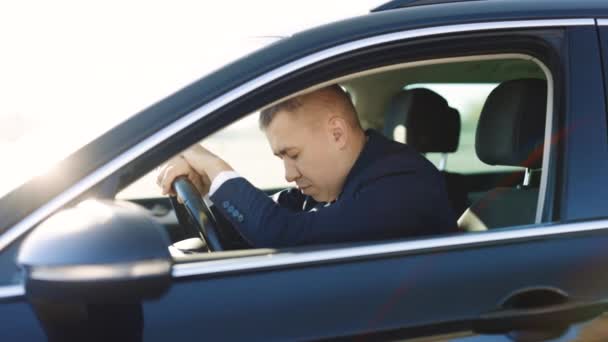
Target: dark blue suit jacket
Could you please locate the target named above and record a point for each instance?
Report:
(391, 192)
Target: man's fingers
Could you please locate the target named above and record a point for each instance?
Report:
(167, 180)
(161, 176)
(170, 175)
(163, 168)
(175, 168)
(182, 166)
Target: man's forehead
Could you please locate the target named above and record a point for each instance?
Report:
(285, 132)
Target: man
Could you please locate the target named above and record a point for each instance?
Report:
(352, 185)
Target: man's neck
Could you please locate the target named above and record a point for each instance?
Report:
(353, 153)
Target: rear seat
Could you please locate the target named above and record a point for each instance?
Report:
(431, 125)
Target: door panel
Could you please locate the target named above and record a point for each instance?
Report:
(356, 297)
(19, 323)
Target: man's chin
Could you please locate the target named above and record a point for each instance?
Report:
(308, 192)
(316, 197)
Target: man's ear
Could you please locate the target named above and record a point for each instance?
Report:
(338, 131)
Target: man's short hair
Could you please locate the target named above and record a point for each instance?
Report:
(289, 105)
(292, 104)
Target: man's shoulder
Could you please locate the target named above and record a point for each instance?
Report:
(394, 158)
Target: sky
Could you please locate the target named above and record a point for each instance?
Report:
(70, 70)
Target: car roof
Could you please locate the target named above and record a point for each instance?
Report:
(396, 4)
(411, 3)
(102, 150)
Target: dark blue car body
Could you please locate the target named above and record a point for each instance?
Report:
(456, 287)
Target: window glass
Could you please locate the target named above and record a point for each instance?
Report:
(468, 99)
(243, 145)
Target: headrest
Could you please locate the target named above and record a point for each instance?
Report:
(431, 124)
(512, 124)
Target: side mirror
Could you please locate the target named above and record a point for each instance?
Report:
(96, 252)
(88, 268)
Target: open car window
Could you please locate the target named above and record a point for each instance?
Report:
(244, 146)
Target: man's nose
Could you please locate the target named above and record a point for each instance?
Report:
(291, 172)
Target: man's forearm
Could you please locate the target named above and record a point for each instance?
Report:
(215, 168)
(204, 162)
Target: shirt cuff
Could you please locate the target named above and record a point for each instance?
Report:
(220, 179)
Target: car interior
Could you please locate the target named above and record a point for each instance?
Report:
(508, 132)
(502, 134)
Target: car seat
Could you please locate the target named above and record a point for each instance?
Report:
(430, 125)
(510, 132)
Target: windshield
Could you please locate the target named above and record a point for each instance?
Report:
(73, 70)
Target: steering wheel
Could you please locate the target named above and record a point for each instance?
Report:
(200, 213)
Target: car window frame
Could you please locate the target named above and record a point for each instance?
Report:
(196, 115)
(346, 252)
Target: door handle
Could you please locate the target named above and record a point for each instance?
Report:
(524, 311)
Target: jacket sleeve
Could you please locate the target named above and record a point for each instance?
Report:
(374, 211)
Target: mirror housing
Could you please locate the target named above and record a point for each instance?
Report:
(97, 252)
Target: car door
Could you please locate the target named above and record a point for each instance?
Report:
(503, 281)
(508, 282)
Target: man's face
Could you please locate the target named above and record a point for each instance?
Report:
(310, 155)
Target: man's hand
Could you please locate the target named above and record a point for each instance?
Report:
(205, 162)
(176, 167)
(196, 163)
